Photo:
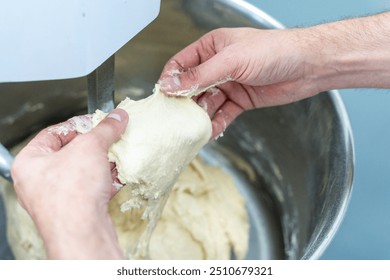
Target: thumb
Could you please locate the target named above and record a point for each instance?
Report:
(110, 129)
(198, 79)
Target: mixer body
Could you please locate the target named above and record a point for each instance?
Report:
(300, 156)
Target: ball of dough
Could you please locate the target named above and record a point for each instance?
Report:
(163, 135)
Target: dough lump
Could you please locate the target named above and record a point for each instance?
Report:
(163, 135)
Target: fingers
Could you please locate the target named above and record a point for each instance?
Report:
(221, 110)
(211, 101)
(202, 64)
(110, 129)
(224, 117)
(116, 184)
(53, 138)
(224, 104)
(196, 80)
(191, 56)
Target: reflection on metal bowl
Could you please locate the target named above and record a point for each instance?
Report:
(293, 163)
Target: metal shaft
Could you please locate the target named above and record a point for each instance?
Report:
(5, 163)
(101, 87)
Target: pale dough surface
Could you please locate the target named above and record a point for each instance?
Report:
(163, 135)
(205, 218)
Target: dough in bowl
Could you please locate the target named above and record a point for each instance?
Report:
(205, 216)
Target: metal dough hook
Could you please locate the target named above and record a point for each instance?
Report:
(6, 160)
(101, 87)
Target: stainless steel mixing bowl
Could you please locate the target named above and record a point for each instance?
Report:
(293, 163)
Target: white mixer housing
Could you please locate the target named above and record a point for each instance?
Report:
(59, 39)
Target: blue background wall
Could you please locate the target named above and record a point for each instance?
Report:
(365, 231)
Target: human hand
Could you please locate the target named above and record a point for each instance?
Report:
(65, 181)
(255, 68)
(250, 67)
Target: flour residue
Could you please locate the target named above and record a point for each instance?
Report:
(81, 124)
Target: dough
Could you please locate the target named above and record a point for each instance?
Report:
(163, 135)
(205, 218)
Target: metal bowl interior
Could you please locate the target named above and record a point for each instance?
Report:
(300, 156)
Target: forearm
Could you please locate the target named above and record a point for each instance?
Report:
(79, 237)
(351, 53)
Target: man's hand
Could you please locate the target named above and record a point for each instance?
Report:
(65, 181)
(253, 68)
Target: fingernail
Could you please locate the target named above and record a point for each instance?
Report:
(115, 117)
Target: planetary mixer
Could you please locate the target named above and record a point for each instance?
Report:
(57, 39)
(295, 209)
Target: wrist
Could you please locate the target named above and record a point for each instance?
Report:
(72, 234)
